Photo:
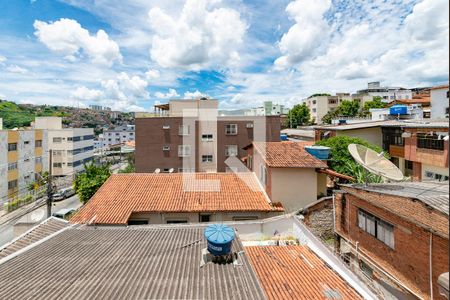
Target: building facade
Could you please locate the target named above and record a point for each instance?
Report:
(388, 94)
(23, 157)
(395, 236)
(440, 102)
(269, 109)
(115, 136)
(199, 142)
(70, 148)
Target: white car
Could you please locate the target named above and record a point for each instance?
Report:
(63, 194)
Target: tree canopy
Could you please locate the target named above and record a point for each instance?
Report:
(341, 159)
(375, 103)
(346, 108)
(299, 115)
(88, 182)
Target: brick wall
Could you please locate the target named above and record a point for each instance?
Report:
(409, 261)
(425, 156)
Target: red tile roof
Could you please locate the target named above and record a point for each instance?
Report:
(124, 194)
(288, 155)
(295, 272)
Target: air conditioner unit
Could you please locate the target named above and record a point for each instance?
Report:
(166, 148)
(166, 127)
(250, 125)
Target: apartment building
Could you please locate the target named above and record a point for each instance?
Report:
(440, 102)
(119, 135)
(70, 147)
(389, 94)
(201, 141)
(395, 236)
(23, 155)
(268, 109)
(319, 106)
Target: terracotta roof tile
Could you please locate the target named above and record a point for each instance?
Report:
(123, 194)
(288, 155)
(295, 272)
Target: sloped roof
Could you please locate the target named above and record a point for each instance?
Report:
(295, 272)
(39, 232)
(126, 263)
(124, 194)
(288, 155)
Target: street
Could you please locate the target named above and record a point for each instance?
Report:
(34, 217)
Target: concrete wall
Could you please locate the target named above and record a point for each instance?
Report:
(294, 188)
(371, 135)
(435, 170)
(3, 167)
(53, 123)
(26, 161)
(439, 103)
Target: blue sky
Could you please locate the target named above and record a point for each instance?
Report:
(130, 54)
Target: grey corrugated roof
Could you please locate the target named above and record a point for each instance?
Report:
(125, 263)
(425, 123)
(44, 229)
(434, 194)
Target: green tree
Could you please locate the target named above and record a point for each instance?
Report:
(330, 116)
(130, 168)
(341, 159)
(299, 115)
(348, 108)
(375, 103)
(88, 182)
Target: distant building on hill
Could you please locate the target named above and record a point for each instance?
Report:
(388, 94)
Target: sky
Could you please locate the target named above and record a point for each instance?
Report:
(131, 54)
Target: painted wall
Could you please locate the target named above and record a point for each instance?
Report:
(371, 135)
(439, 103)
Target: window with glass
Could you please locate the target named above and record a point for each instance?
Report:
(430, 141)
(207, 137)
(183, 130)
(231, 150)
(38, 143)
(376, 227)
(231, 129)
(12, 166)
(392, 136)
(184, 150)
(207, 158)
(12, 147)
(13, 184)
(57, 165)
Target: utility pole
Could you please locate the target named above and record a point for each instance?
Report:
(49, 185)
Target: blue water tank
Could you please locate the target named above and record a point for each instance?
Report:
(399, 110)
(219, 238)
(284, 137)
(320, 152)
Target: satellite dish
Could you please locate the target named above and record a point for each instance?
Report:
(157, 171)
(171, 170)
(375, 163)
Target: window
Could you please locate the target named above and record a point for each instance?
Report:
(314, 110)
(263, 174)
(38, 160)
(366, 270)
(165, 127)
(57, 140)
(57, 165)
(38, 143)
(231, 150)
(207, 158)
(12, 184)
(184, 150)
(12, 166)
(435, 176)
(314, 102)
(69, 164)
(231, 129)
(57, 152)
(137, 222)
(176, 221)
(207, 137)
(430, 141)
(12, 147)
(26, 142)
(205, 218)
(392, 137)
(376, 227)
(183, 130)
(250, 162)
(245, 218)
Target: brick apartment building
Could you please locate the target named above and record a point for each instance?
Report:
(189, 136)
(395, 236)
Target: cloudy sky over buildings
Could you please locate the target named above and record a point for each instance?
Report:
(129, 54)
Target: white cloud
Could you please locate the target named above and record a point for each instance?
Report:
(67, 37)
(172, 93)
(194, 95)
(16, 69)
(85, 94)
(306, 35)
(2, 59)
(152, 74)
(200, 37)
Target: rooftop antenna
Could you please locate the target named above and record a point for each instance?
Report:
(375, 163)
(157, 171)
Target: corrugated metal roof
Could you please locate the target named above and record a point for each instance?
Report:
(125, 263)
(425, 123)
(44, 229)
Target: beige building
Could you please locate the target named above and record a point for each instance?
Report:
(368, 131)
(288, 173)
(70, 147)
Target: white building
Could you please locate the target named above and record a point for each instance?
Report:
(269, 109)
(389, 94)
(439, 102)
(116, 136)
(414, 112)
(70, 147)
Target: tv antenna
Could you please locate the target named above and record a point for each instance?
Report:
(375, 163)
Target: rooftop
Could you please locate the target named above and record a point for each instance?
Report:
(420, 199)
(288, 155)
(126, 263)
(295, 272)
(425, 123)
(439, 87)
(124, 194)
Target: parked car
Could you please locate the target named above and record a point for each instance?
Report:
(63, 194)
(63, 213)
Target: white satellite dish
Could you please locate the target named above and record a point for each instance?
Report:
(157, 171)
(375, 163)
(171, 170)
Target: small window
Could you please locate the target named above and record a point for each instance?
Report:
(26, 142)
(207, 158)
(231, 150)
(184, 130)
(184, 150)
(376, 227)
(57, 140)
(263, 174)
(165, 127)
(57, 165)
(38, 160)
(12, 166)
(12, 184)
(231, 129)
(249, 125)
(12, 147)
(207, 137)
(366, 270)
(176, 221)
(38, 143)
(205, 218)
(137, 222)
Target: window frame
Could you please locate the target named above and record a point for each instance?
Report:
(229, 129)
(209, 158)
(227, 150)
(182, 130)
(182, 150)
(207, 137)
(376, 227)
(12, 147)
(424, 142)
